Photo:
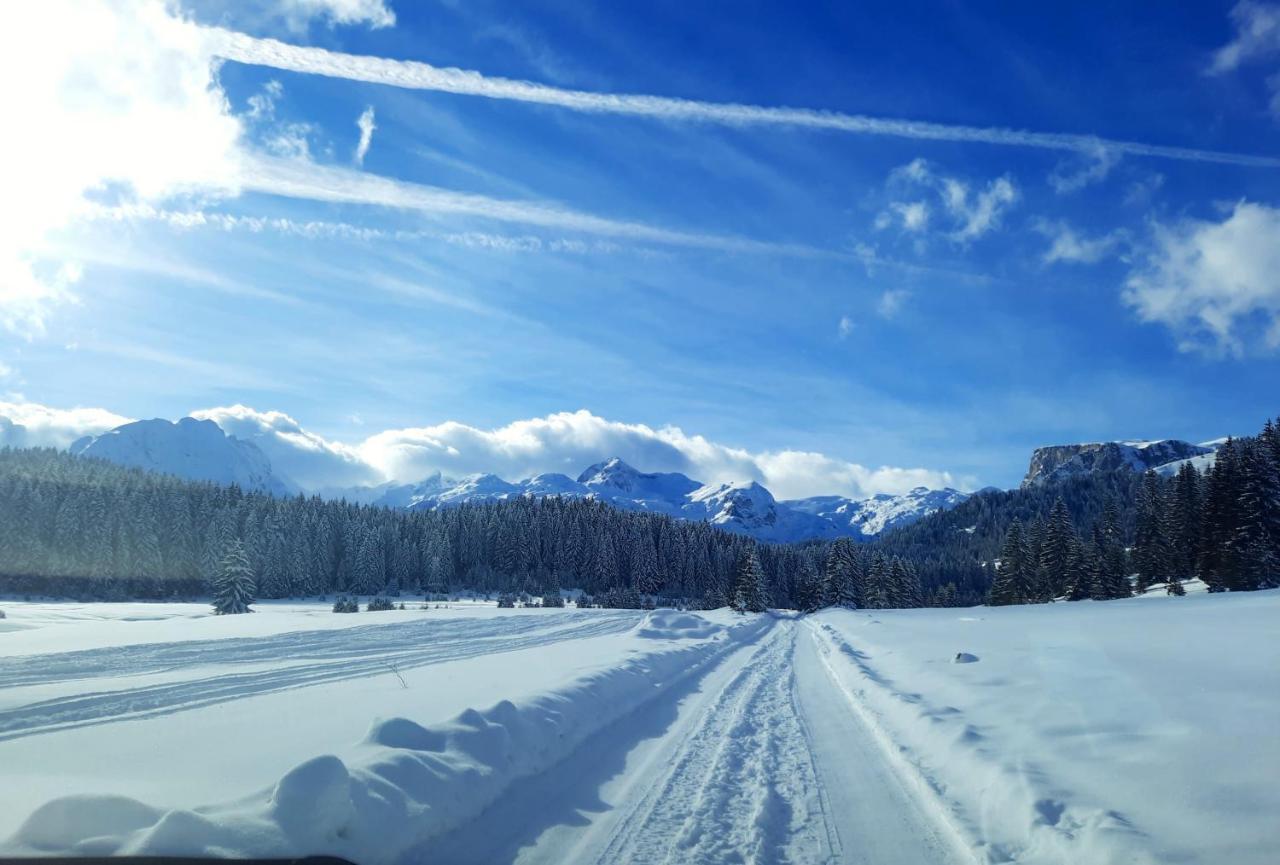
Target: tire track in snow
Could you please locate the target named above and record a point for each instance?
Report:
(365, 657)
(324, 644)
(742, 787)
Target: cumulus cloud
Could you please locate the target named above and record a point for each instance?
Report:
(969, 213)
(844, 327)
(109, 98)
(565, 442)
(1216, 285)
(30, 425)
(569, 441)
(305, 458)
(365, 123)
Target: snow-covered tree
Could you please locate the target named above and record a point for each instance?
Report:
(749, 592)
(233, 585)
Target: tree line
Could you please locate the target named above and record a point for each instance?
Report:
(1221, 526)
(86, 528)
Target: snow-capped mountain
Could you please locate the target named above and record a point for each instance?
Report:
(745, 507)
(1058, 462)
(750, 509)
(867, 518)
(194, 449)
(200, 450)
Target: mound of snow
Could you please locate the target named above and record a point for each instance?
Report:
(676, 625)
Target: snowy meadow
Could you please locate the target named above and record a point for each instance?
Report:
(1117, 732)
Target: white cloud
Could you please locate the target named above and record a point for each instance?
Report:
(412, 74)
(563, 442)
(1215, 284)
(365, 122)
(374, 13)
(1065, 244)
(105, 97)
(262, 105)
(844, 327)
(299, 178)
(971, 214)
(306, 459)
(569, 441)
(1141, 191)
(27, 424)
(890, 303)
(983, 212)
(1257, 37)
(290, 140)
(1075, 174)
(911, 216)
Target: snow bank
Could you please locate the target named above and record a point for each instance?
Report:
(676, 625)
(404, 785)
(1133, 731)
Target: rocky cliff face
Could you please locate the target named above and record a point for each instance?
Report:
(1062, 461)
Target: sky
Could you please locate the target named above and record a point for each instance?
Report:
(838, 249)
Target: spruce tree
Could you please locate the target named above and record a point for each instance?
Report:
(1056, 550)
(1149, 542)
(233, 585)
(840, 584)
(749, 592)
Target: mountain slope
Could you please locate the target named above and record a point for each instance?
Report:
(193, 449)
(1058, 462)
(867, 518)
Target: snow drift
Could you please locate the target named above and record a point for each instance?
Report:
(402, 786)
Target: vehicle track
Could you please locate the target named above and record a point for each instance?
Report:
(742, 786)
(299, 661)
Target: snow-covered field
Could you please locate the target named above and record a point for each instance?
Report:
(1130, 731)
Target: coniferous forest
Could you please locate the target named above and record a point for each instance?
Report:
(86, 528)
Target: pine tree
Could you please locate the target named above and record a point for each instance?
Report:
(1112, 578)
(809, 589)
(877, 595)
(1149, 543)
(841, 578)
(749, 592)
(1056, 550)
(233, 586)
(1012, 584)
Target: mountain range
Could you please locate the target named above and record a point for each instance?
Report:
(201, 450)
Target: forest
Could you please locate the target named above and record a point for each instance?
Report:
(85, 528)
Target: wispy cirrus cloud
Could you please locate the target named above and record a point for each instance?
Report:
(1257, 39)
(416, 75)
(303, 179)
(366, 126)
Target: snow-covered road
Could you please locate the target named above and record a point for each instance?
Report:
(760, 759)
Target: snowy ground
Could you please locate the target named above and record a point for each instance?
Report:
(1131, 731)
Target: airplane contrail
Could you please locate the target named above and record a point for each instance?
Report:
(415, 75)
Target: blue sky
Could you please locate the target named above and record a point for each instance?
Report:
(942, 305)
